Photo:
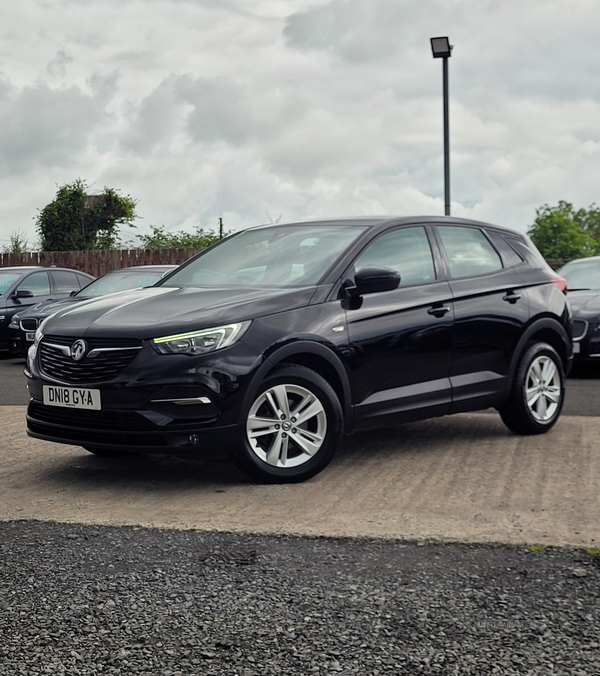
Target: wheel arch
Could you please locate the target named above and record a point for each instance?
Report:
(315, 356)
(545, 330)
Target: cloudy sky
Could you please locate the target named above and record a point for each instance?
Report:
(256, 110)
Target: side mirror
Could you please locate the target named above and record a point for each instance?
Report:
(374, 280)
(22, 293)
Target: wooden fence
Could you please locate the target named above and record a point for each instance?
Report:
(97, 262)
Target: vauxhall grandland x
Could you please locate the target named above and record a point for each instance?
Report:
(271, 345)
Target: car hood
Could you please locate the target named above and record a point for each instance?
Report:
(158, 311)
(584, 303)
(47, 308)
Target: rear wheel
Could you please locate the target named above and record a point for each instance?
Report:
(538, 391)
(293, 427)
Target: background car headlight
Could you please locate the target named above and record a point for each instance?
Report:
(200, 342)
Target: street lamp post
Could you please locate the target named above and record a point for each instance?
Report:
(442, 49)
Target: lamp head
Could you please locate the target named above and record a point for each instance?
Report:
(441, 47)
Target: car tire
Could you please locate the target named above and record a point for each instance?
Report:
(292, 428)
(108, 452)
(538, 391)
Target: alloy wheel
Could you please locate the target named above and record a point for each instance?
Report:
(286, 425)
(543, 388)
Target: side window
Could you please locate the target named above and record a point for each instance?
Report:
(406, 251)
(83, 281)
(38, 283)
(64, 281)
(469, 251)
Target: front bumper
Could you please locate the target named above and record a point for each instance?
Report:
(161, 404)
(130, 431)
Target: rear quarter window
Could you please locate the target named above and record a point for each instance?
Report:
(509, 255)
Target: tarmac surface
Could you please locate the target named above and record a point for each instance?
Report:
(462, 478)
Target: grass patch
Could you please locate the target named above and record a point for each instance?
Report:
(592, 550)
(536, 548)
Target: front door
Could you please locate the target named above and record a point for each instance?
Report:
(399, 349)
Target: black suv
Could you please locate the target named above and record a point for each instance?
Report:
(277, 341)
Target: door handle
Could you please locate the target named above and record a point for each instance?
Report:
(511, 297)
(438, 311)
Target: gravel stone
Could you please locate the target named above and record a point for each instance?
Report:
(127, 601)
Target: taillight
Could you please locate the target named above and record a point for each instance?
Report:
(560, 283)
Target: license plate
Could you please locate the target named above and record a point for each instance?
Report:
(72, 397)
(576, 348)
(30, 336)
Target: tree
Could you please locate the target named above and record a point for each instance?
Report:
(77, 221)
(18, 243)
(562, 233)
(159, 238)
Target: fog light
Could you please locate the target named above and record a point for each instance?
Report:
(195, 439)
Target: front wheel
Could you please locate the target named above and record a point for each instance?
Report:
(293, 426)
(537, 393)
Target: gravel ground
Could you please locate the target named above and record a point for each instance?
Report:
(103, 600)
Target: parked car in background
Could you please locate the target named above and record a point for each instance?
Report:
(583, 283)
(21, 331)
(24, 286)
(275, 342)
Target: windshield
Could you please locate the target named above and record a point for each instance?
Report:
(120, 280)
(7, 279)
(582, 275)
(285, 255)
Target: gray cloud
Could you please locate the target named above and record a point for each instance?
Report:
(40, 125)
(58, 65)
(213, 111)
(557, 58)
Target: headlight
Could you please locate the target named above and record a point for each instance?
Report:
(200, 342)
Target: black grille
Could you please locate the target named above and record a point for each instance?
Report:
(126, 421)
(103, 367)
(579, 328)
(83, 437)
(29, 324)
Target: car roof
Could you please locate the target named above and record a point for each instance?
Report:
(29, 268)
(374, 221)
(23, 268)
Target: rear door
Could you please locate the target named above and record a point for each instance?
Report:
(399, 349)
(490, 310)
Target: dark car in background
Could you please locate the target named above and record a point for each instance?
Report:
(24, 286)
(21, 331)
(583, 283)
(272, 344)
